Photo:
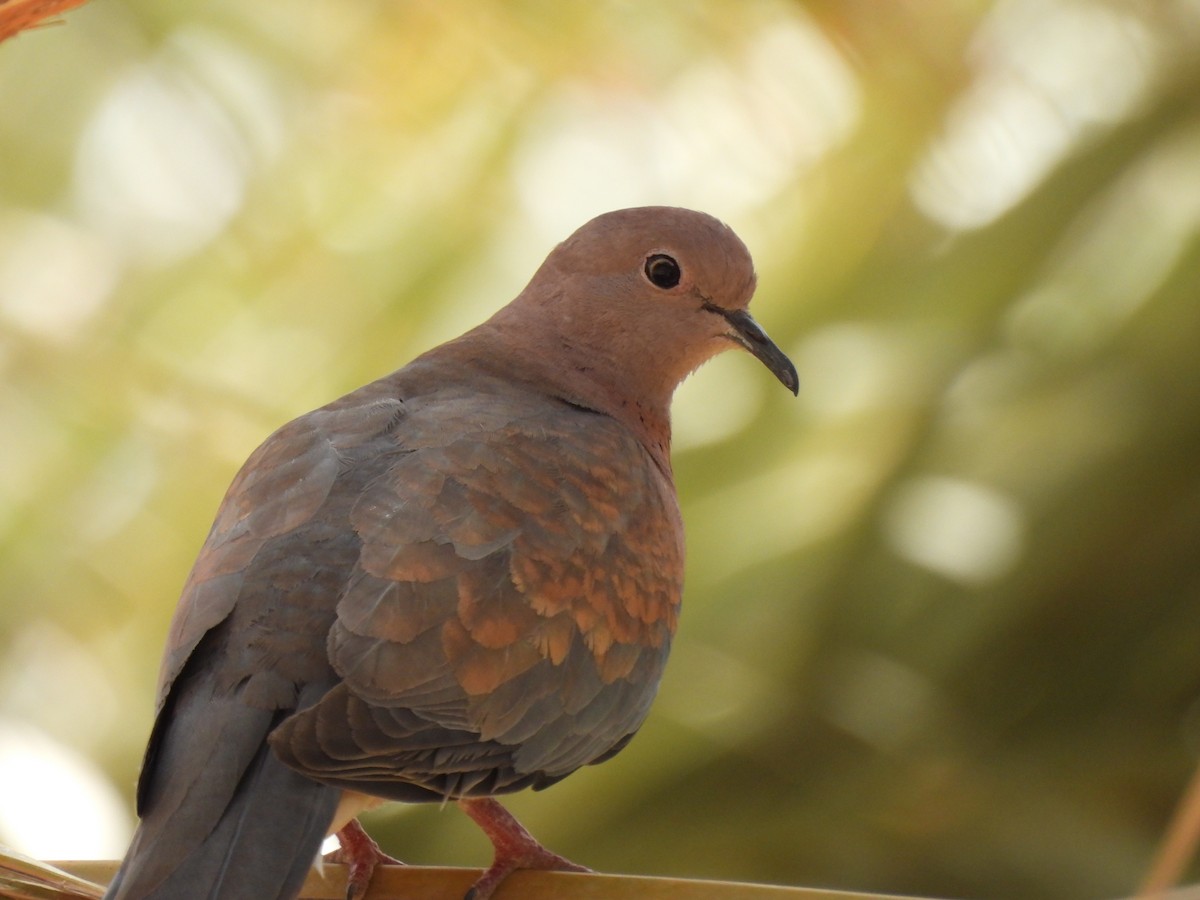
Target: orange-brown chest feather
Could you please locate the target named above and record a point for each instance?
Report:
(552, 528)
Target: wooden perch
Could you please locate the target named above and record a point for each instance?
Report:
(423, 883)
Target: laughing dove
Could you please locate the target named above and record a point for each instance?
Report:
(458, 581)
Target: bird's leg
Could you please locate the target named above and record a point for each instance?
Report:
(515, 847)
(361, 855)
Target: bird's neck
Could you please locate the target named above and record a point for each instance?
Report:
(576, 375)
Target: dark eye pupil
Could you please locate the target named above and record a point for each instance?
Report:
(662, 271)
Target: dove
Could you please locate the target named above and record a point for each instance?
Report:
(458, 581)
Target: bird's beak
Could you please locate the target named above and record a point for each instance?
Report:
(746, 331)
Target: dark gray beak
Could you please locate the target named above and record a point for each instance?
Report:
(748, 333)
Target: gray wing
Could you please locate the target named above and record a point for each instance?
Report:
(221, 816)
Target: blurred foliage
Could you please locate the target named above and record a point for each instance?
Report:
(942, 629)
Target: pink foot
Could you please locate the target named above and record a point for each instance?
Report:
(361, 855)
(515, 847)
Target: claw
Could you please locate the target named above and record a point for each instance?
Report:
(361, 855)
(515, 847)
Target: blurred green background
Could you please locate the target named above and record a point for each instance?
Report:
(942, 622)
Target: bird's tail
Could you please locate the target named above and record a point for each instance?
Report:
(260, 848)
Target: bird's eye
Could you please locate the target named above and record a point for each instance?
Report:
(662, 271)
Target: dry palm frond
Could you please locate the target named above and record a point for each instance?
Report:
(23, 878)
(18, 15)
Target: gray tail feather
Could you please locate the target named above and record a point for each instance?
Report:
(261, 847)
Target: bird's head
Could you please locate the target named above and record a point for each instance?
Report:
(644, 296)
